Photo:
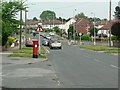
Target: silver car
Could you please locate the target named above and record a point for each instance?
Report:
(55, 44)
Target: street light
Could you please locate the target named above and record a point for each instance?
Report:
(94, 42)
(26, 23)
(74, 26)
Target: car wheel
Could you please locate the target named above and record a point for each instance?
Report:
(60, 47)
(51, 47)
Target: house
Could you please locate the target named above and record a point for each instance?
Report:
(104, 30)
(67, 24)
(82, 25)
(32, 23)
(53, 23)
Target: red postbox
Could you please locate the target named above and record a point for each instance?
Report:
(35, 48)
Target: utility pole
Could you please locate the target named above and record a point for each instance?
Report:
(53, 22)
(62, 25)
(26, 25)
(94, 31)
(74, 27)
(109, 23)
(20, 25)
(94, 42)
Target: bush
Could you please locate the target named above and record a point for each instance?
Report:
(115, 29)
(85, 37)
(115, 38)
(10, 40)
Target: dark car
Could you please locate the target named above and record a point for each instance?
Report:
(45, 42)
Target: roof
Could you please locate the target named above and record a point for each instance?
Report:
(51, 22)
(82, 22)
(32, 22)
(81, 29)
(109, 25)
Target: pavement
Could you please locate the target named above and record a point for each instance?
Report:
(18, 60)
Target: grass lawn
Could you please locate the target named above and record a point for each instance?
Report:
(27, 52)
(102, 48)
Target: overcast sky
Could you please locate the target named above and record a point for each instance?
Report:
(66, 8)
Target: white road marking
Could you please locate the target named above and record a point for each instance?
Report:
(114, 66)
(58, 83)
(55, 75)
(99, 61)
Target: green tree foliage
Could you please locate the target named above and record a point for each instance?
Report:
(86, 37)
(35, 19)
(48, 15)
(115, 30)
(92, 31)
(71, 32)
(96, 19)
(9, 23)
(57, 30)
(117, 12)
(63, 19)
(80, 15)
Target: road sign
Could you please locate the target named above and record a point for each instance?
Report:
(40, 29)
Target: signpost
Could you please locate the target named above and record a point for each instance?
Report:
(39, 29)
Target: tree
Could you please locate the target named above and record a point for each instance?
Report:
(57, 30)
(96, 19)
(92, 31)
(80, 15)
(117, 12)
(9, 23)
(35, 19)
(115, 29)
(71, 32)
(48, 15)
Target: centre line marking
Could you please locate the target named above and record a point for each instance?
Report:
(114, 66)
(58, 83)
(99, 61)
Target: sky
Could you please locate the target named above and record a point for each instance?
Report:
(66, 8)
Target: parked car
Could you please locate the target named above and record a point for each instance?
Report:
(51, 33)
(45, 42)
(48, 37)
(29, 43)
(55, 44)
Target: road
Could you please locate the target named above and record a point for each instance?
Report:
(70, 67)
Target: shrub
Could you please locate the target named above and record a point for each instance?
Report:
(115, 38)
(10, 40)
(85, 37)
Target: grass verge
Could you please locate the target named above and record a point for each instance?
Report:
(102, 48)
(27, 52)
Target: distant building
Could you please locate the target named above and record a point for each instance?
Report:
(32, 24)
(82, 25)
(67, 24)
(53, 23)
(104, 30)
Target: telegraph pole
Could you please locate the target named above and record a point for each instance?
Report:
(26, 24)
(20, 25)
(74, 28)
(109, 22)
